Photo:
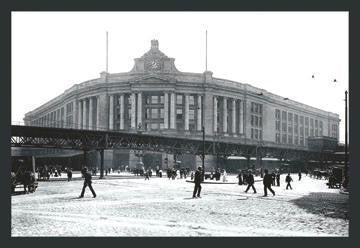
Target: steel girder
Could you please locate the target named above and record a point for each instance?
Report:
(46, 137)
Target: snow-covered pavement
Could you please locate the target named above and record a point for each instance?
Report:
(163, 207)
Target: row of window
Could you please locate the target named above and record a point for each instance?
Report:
(291, 125)
(256, 121)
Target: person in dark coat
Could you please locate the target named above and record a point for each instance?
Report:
(147, 174)
(273, 176)
(267, 181)
(250, 181)
(299, 175)
(87, 182)
(197, 180)
(69, 174)
(240, 178)
(288, 180)
(278, 179)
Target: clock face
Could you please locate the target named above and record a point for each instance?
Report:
(155, 64)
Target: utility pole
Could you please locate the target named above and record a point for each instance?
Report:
(202, 112)
(346, 168)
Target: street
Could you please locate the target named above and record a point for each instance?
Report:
(131, 206)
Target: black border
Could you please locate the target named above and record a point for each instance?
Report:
(178, 5)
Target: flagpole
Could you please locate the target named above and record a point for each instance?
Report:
(107, 52)
(206, 52)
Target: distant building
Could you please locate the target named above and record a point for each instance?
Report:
(154, 97)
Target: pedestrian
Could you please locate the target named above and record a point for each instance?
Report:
(273, 176)
(278, 179)
(69, 174)
(197, 181)
(87, 183)
(251, 182)
(147, 174)
(267, 181)
(288, 179)
(224, 176)
(240, 178)
(299, 175)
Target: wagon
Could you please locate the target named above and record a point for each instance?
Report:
(24, 178)
(335, 178)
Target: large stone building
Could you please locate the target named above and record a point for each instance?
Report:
(154, 97)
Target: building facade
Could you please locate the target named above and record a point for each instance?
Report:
(154, 97)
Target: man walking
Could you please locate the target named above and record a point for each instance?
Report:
(278, 179)
(197, 181)
(299, 175)
(69, 174)
(251, 182)
(288, 179)
(267, 181)
(87, 182)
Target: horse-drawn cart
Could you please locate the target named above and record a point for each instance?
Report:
(24, 178)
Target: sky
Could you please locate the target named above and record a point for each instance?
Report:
(275, 51)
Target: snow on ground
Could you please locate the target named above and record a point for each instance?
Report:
(131, 206)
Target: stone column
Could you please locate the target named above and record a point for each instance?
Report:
(186, 112)
(233, 126)
(225, 115)
(97, 113)
(215, 113)
(241, 117)
(111, 112)
(122, 111)
(79, 114)
(139, 110)
(85, 111)
(166, 110)
(103, 103)
(75, 115)
(172, 110)
(199, 113)
(133, 110)
(91, 103)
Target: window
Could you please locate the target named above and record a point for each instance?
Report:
(161, 113)
(321, 128)
(301, 141)
(191, 114)
(284, 138)
(154, 99)
(296, 140)
(277, 114)
(179, 99)
(191, 100)
(255, 120)
(154, 113)
(179, 114)
(277, 125)
(154, 126)
(290, 139)
(277, 138)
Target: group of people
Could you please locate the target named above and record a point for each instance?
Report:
(177, 173)
(268, 181)
(247, 179)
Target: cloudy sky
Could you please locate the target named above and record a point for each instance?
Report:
(276, 51)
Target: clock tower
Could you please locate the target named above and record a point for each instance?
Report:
(154, 61)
